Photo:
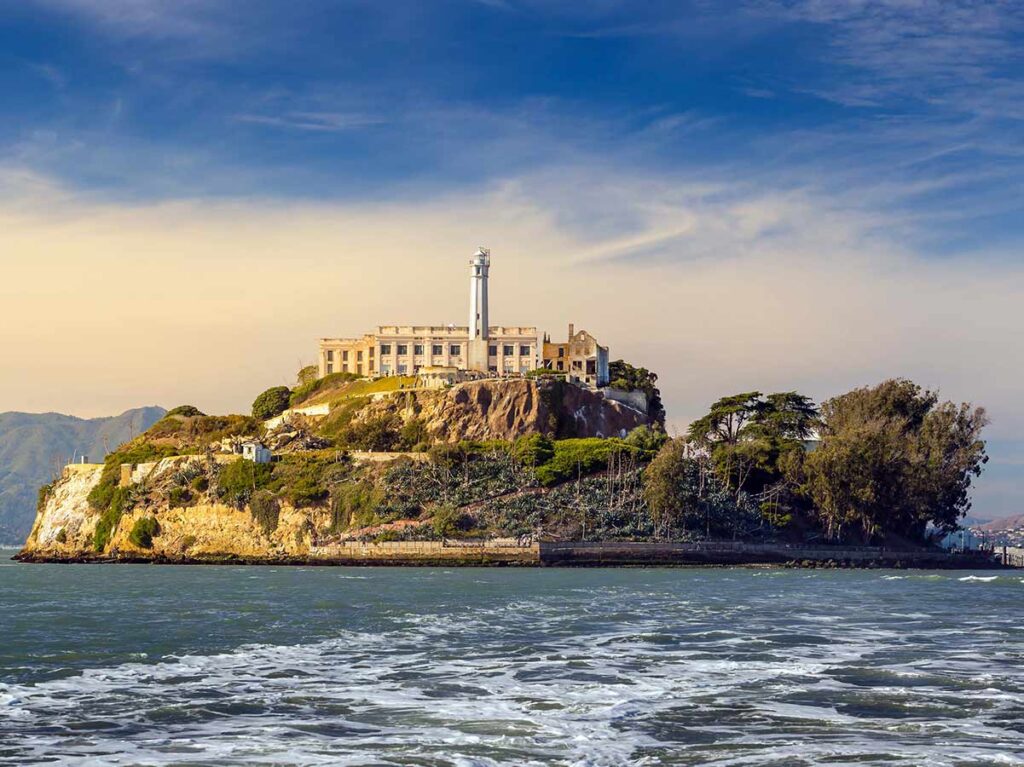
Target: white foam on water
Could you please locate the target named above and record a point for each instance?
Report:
(524, 683)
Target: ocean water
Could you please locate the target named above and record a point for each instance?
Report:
(154, 665)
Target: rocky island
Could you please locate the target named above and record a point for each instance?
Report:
(527, 470)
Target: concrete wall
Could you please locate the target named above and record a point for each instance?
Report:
(725, 552)
(633, 399)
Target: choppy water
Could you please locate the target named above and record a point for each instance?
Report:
(148, 665)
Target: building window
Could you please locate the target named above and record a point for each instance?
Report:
(508, 350)
(403, 349)
(455, 350)
(330, 368)
(437, 349)
(359, 368)
(560, 366)
(492, 350)
(359, 358)
(524, 366)
(385, 349)
(561, 352)
(493, 368)
(402, 369)
(509, 366)
(330, 355)
(371, 351)
(524, 351)
(417, 349)
(344, 356)
(385, 370)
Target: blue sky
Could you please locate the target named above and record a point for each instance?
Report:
(908, 107)
(836, 184)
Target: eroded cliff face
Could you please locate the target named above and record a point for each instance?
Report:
(200, 515)
(507, 409)
(66, 524)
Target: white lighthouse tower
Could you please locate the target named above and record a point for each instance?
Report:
(479, 266)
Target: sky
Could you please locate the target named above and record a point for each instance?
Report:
(806, 195)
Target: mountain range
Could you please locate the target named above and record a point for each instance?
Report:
(35, 446)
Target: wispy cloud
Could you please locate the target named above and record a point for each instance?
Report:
(329, 122)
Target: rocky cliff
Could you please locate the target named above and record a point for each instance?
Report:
(495, 463)
(493, 409)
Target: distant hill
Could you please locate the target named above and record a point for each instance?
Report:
(33, 446)
(1014, 522)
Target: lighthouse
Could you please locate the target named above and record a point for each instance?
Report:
(479, 266)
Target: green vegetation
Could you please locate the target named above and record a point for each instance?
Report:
(237, 481)
(179, 497)
(751, 437)
(266, 510)
(304, 391)
(119, 502)
(335, 425)
(271, 403)
(625, 377)
(187, 411)
(194, 434)
(306, 375)
(579, 457)
(143, 532)
(354, 504)
(62, 536)
(893, 460)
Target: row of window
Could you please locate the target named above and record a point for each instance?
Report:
(344, 355)
(436, 349)
(403, 369)
(453, 349)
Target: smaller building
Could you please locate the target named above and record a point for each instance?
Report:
(443, 377)
(255, 452)
(581, 358)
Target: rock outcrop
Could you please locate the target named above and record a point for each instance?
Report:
(503, 409)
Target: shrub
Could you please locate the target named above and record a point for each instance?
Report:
(306, 375)
(184, 410)
(137, 451)
(200, 484)
(44, 493)
(354, 504)
(375, 435)
(271, 403)
(62, 536)
(143, 532)
(335, 425)
(188, 542)
(266, 510)
(449, 520)
(646, 439)
(120, 499)
(579, 457)
(414, 433)
(534, 450)
(237, 481)
(178, 497)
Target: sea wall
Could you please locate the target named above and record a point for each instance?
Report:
(610, 553)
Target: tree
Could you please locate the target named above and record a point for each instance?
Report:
(626, 377)
(671, 486)
(186, 411)
(893, 460)
(749, 435)
(271, 403)
(307, 375)
(682, 491)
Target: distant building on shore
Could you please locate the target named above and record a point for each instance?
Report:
(477, 348)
